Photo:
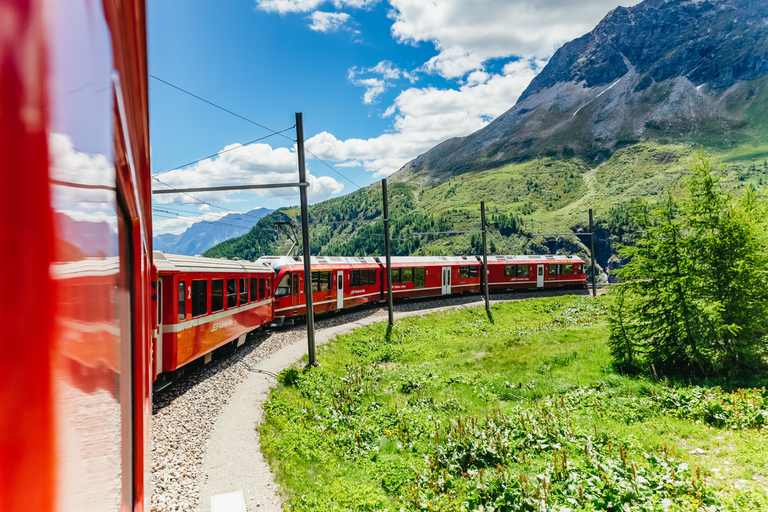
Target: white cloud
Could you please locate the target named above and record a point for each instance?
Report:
(327, 21)
(374, 86)
(254, 164)
(294, 6)
(467, 34)
(424, 117)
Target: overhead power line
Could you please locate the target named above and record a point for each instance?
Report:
(274, 132)
(178, 167)
(220, 107)
(331, 167)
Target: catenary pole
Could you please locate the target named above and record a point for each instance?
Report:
(592, 254)
(485, 257)
(305, 241)
(387, 254)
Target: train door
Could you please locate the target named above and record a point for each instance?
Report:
(159, 339)
(339, 289)
(446, 280)
(540, 276)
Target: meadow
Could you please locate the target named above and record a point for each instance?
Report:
(522, 411)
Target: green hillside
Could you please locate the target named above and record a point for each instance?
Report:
(541, 196)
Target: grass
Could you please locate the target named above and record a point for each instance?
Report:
(452, 411)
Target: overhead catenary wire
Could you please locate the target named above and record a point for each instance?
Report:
(273, 132)
(220, 221)
(179, 167)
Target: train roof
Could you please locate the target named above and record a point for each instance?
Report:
(430, 259)
(278, 262)
(179, 263)
(536, 258)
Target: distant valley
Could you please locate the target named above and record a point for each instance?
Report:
(203, 235)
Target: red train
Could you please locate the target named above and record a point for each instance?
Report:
(206, 303)
(75, 229)
(339, 282)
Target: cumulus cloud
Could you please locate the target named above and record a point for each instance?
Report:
(375, 86)
(297, 6)
(424, 117)
(468, 34)
(327, 21)
(246, 165)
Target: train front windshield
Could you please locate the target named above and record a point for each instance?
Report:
(284, 288)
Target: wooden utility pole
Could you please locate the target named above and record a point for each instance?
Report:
(485, 257)
(387, 252)
(305, 241)
(592, 254)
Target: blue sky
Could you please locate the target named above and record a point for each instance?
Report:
(379, 82)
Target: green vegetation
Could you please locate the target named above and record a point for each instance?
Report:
(542, 195)
(694, 298)
(454, 412)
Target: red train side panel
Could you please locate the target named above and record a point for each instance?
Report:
(535, 271)
(74, 221)
(337, 283)
(206, 303)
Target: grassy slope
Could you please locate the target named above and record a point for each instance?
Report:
(439, 416)
(551, 195)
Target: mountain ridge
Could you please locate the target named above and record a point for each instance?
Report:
(203, 235)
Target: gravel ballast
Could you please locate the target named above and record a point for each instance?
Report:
(184, 416)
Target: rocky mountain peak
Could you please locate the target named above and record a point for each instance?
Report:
(693, 71)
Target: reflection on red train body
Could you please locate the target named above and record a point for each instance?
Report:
(74, 214)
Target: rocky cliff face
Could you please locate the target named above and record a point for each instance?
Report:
(676, 70)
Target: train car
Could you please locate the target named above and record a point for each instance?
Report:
(337, 283)
(535, 271)
(423, 276)
(75, 222)
(204, 303)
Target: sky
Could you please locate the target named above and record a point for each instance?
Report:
(378, 82)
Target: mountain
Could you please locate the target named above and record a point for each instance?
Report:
(201, 236)
(614, 116)
(690, 71)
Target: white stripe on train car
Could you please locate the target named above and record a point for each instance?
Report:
(210, 318)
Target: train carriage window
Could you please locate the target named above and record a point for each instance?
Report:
(182, 301)
(419, 275)
(522, 270)
(269, 288)
(372, 276)
(199, 297)
(254, 285)
(396, 275)
(554, 269)
(406, 275)
(567, 268)
(231, 293)
(321, 281)
(284, 288)
(474, 272)
(262, 293)
(509, 270)
(217, 295)
(464, 272)
(580, 269)
(296, 284)
(243, 292)
(354, 278)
